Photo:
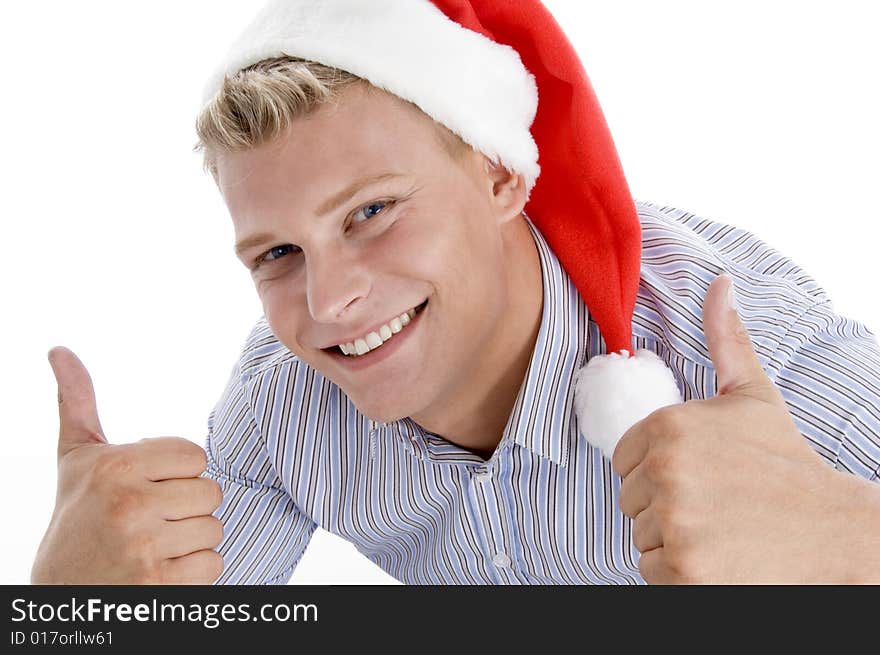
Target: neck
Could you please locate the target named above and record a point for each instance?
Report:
(476, 412)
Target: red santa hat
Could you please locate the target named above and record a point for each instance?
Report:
(479, 67)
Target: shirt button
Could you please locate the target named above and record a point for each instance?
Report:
(501, 560)
(482, 475)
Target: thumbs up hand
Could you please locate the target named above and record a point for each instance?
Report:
(727, 490)
(124, 514)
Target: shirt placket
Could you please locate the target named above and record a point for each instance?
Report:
(486, 494)
(482, 490)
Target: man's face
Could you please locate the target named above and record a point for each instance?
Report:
(355, 216)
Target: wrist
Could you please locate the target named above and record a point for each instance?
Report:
(856, 544)
(43, 569)
(40, 571)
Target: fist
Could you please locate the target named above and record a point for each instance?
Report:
(124, 514)
(726, 489)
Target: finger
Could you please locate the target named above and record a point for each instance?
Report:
(730, 347)
(646, 531)
(202, 567)
(77, 408)
(179, 538)
(631, 449)
(654, 568)
(184, 498)
(636, 492)
(166, 458)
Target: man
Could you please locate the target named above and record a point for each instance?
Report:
(416, 384)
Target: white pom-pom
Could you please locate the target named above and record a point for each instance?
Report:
(614, 392)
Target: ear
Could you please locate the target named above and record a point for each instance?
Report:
(508, 190)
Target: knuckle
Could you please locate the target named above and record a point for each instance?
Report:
(668, 517)
(628, 501)
(652, 570)
(111, 463)
(670, 421)
(678, 536)
(215, 492)
(623, 497)
(139, 553)
(193, 455)
(664, 463)
(201, 459)
(656, 463)
(215, 531)
(182, 450)
(639, 534)
(203, 567)
(141, 548)
(152, 573)
(685, 565)
(124, 505)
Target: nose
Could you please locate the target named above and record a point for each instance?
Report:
(336, 283)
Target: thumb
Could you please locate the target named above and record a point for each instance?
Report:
(736, 364)
(77, 409)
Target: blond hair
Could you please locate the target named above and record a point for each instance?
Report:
(257, 104)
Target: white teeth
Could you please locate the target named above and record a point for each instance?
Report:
(374, 340)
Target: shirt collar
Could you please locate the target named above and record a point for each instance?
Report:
(542, 419)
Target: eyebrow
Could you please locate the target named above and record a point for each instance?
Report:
(343, 196)
(331, 203)
(251, 241)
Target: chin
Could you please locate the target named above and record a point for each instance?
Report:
(381, 413)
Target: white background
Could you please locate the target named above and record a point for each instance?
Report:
(759, 114)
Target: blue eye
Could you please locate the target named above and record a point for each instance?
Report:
(368, 211)
(275, 253)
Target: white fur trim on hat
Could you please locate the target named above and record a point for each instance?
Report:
(614, 392)
(476, 87)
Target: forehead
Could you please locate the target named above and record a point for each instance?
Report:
(280, 187)
(365, 130)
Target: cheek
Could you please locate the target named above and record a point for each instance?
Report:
(281, 308)
(432, 246)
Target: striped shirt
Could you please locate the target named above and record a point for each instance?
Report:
(293, 453)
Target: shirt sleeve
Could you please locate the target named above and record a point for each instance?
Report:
(264, 532)
(828, 370)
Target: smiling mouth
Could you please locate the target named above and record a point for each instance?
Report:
(375, 344)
